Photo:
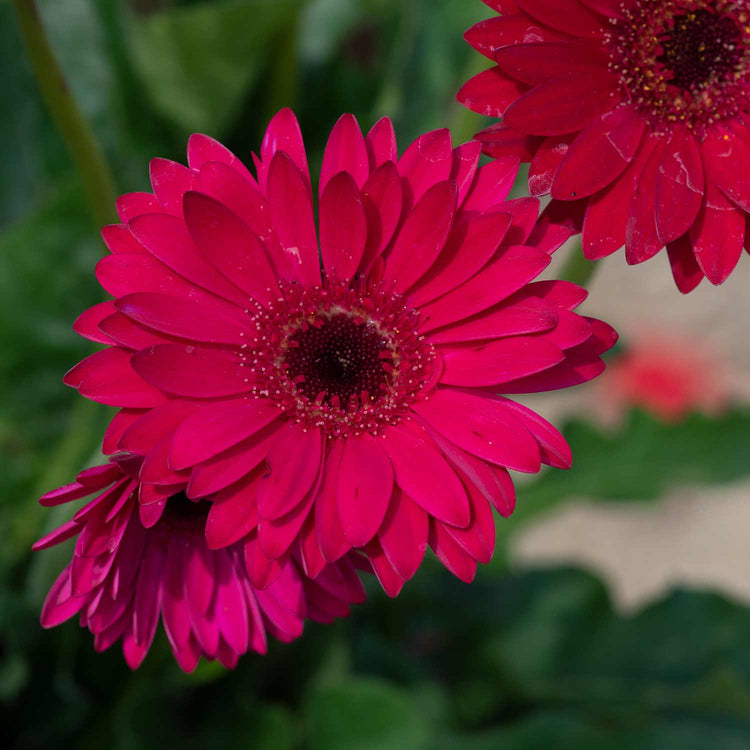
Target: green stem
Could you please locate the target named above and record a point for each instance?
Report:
(78, 136)
(577, 269)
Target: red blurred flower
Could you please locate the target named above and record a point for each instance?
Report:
(124, 576)
(349, 407)
(667, 377)
(633, 116)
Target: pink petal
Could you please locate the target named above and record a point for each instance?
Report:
(283, 135)
(343, 226)
(148, 429)
(365, 482)
(234, 512)
(564, 104)
(685, 269)
(345, 152)
(226, 242)
(497, 362)
(381, 143)
(514, 268)
(387, 576)
(276, 536)
(478, 538)
(313, 561)
(67, 530)
(493, 482)
(291, 209)
(422, 237)
(527, 315)
(566, 15)
(131, 335)
(216, 427)
(679, 186)
(261, 571)
(491, 92)
(170, 181)
(57, 607)
(147, 598)
(492, 184)
(129, 272)
(465, 164)
(220, 471)
(293, 464)
(546, 162)
(190, 371)
(109, 378)
(606, 218)
(202, 149)
(533, 63)
(167, 239)
(470, 245)
(156, 469)
(120, 423)
(425, 476)
(231, 609)
(499, 141)
(403, 534)
(723, 150)
(554, 449)
(450, 553)
(475, 424)
(87, 323)
(426, 162)
(131, 205)
(382, 198)
(564, 294)
(118, 239)
(599, 154)
(177, 316)
(641, 239)
(240, 197)
(333, 542)
(489, 35)
(717, 235)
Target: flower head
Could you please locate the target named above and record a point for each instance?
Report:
(124, 576)
(348, 404)
(633, 114)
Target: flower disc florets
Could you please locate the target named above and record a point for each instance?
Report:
(683, 61)
(345, 357)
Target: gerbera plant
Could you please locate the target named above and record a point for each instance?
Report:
(129, 569)
(633, 115)
(324, 395)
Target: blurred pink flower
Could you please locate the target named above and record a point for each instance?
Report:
(123, 577)
(668, 377)
(351, 406)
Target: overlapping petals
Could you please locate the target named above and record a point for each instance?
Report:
(125, 576)
(631, 157)
(330, 383)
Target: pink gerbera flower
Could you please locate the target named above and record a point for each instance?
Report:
(633, 114)
(352, 405)
(123, 576)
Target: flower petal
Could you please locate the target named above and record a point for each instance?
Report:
(345, 152)
(365, 482)
(343, 226)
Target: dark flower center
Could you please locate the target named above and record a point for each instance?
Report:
(339, 359)
(700, 48)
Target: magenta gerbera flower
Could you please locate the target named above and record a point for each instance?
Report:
(350, 403)
(633, 114)
(124, 576)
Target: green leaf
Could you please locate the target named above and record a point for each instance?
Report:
(197, 62)
(364, 714)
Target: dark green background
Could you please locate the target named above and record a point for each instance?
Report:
(517, 660)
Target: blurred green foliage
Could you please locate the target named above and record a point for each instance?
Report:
(515, 661)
